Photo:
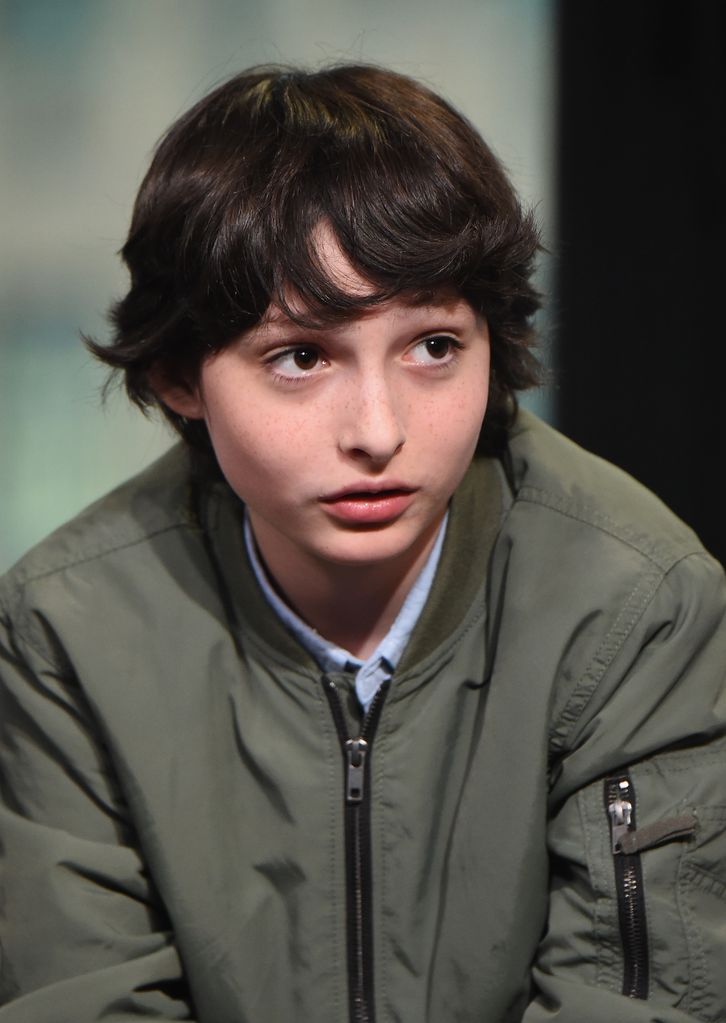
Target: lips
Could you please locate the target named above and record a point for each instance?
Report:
(366, 505)
(367, 489)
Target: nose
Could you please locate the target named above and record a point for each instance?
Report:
(372, 428)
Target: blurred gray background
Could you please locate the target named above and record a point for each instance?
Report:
(86, 89)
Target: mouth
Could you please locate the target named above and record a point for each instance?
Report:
(368, 492)
(368, 506)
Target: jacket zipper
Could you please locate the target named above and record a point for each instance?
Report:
(356, 759)
(620, 802)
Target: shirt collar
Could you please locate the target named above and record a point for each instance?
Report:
(331, 657)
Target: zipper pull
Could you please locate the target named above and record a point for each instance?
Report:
(620, 810)
(355, 751)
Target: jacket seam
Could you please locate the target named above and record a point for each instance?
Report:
(603, 523)
(15, 625)
(684, 761)
(600, 663)
(111, 549)
(609, 648)
(608, 956)
(382, 994)
(697, 989)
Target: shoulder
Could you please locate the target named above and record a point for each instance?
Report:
(556, 479)
(152, 501)
(600, 589)
(583, 542)
(116, 546)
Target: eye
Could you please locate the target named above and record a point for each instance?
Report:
(300, 361)
(440, 348)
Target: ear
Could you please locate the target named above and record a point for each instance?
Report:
(180, 396)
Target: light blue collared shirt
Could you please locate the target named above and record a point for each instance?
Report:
(381, 664)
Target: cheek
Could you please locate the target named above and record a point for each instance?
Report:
(256, 446)
(474, 396)
(453, 422)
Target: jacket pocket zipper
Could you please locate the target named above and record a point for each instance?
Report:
(357, 810)
(620, 803)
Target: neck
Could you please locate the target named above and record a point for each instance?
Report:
(351, 605)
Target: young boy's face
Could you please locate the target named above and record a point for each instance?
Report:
(347, 442)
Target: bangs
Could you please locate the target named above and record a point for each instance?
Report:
(406, 207)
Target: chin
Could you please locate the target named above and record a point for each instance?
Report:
(371, 545)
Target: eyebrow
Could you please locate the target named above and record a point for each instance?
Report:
(282, 325)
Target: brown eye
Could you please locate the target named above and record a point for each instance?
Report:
(438, 347)
(305, 358)
(298, 362)
(438, 350)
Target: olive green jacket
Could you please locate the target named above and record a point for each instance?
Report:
(544, 817)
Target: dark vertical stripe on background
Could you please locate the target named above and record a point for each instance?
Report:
(641, 258)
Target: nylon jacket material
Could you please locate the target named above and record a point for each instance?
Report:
(172, 780)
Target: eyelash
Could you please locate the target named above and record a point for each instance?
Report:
(300, 378)
(277, 357)
(455, 347)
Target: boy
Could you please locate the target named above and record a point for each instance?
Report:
(375, 699)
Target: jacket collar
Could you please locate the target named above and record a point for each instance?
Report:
(476, 513)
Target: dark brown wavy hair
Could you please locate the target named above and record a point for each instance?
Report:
(225, 219)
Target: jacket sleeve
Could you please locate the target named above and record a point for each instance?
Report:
(82, 933)
(636, 917)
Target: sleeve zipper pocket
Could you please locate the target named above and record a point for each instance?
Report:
(620, 804)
